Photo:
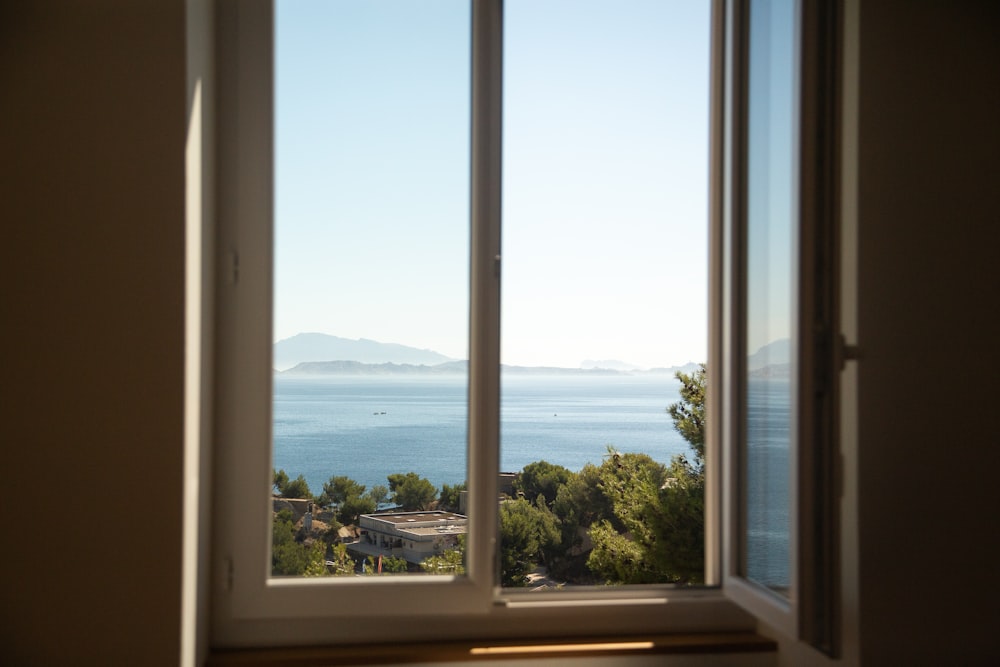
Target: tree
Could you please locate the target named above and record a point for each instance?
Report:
(297, 488)
(379, 494)
(451, 561)
(350, 498)
(338, 489)
(340, 563)
(689, 413)
(450, 496)
(526, 531)
(663, 515)
(542, 478)
(579, 503)
(390, 565)
(280, 481)
(411, 492)
(293, 554)
(625, 555)
(353, 507)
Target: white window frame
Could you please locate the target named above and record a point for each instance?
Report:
(251, 609)
(810, 611)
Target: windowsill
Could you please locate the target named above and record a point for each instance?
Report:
(466, 651)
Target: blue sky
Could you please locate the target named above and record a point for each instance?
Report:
(605, 176)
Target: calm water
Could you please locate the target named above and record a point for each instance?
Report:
(369, 427)
(768, 551)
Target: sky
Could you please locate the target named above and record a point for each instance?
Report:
(605, 177)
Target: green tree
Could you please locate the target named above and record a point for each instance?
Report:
(338, 489)
(451, 561)
(449, 499)
(542, 478)
(280, 481)
(350, 498)
(379, 494)
(390, 565)
(296, 488)
(662, 515)
(411, 492)
(340, 563)
(527, 531)
(353, 507)
(624, 555)
(291, 553)
(579, 503)
(689, 413)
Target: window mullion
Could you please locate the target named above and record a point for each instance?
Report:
(484, 330)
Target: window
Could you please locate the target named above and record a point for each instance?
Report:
(779, 372)
(252, 608)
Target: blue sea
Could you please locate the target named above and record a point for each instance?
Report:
(367, 427)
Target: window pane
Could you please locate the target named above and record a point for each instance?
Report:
(371, 282)
(771, 291)
(604, 289)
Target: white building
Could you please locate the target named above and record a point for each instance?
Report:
(413, 536)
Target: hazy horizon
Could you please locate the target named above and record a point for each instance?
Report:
(584, 363)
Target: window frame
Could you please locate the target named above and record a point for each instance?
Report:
(811, 612)
(250, 610)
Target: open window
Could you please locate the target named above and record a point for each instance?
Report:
(769, 119)
(780, 368)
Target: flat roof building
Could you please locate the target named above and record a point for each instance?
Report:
(413, 536)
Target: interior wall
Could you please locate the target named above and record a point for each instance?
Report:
(929, 177)
(92, 123)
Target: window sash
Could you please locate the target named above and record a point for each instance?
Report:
(810, 610)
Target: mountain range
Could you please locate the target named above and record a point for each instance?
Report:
(323, 354)
(308, 347)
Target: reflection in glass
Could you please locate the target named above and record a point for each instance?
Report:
(371, 244)
(771, 291)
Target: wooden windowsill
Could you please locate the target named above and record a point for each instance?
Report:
(466, 651)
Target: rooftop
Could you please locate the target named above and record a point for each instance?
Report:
(403, 518)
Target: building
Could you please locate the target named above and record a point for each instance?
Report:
(93, 309)
(413, 536)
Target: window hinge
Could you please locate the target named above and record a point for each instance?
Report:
(846, 352)
(234, 267)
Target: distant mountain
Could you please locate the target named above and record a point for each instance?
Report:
(323, 354)
(389, 368)
(772, 371)
(774, 353)
(611, 364)
(311, 347)
(447, 368)
(556, 370)
(689, 367)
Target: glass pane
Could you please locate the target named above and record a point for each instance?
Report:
(604, 291)
(371, 285)
(771, 291)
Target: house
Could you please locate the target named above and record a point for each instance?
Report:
(413, 536)
(94, 310)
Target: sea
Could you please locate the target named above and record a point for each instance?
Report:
(368, 427)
